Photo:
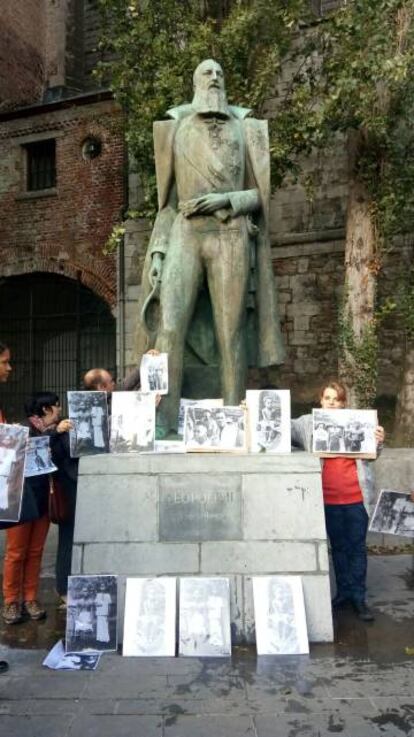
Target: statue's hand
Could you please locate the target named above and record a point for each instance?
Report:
(205, 205)
(156, 269)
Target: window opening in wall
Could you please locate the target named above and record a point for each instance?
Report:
(41, 165)
(91, 148)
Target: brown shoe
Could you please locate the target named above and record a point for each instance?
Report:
(62, 604)
(34, 610)
(12, 613)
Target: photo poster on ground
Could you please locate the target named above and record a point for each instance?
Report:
(58, 659)
(393, 514)
(215, 429)
(13, 442)
(268, 420)
(204, 617)
(344, 432)
(132, 422)
(193, 403)
(150, 617)
(38, 457)
(88, 412)
(154, 373)
(280, 617)
(91, 620)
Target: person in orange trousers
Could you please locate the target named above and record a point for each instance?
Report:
(25, 541)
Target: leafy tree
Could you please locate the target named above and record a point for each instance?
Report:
(363, 78)
(351, 80)
(404, 425)
(151, 48)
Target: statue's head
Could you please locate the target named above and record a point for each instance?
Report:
(209, 88)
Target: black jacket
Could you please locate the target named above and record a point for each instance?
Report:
(67, 473)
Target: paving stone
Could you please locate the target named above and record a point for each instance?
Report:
(362, 686)
(60, 686)
(116, 726)
(313, 725)
(137, 686)
(44, 726)
(206, 726)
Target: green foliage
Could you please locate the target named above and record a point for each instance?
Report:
(151, 48)
(405, 304)
(359, 66)
(352, 71)
(359, 358)
(114, 240)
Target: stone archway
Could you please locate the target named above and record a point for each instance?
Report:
(57, 329)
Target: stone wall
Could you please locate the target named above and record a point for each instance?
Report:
(207, 514)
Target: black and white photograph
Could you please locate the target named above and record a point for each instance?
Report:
(347, 432)
(154, 373)
(204, 617)
(88, 412)
(91, 622)
(38, 457)
(280, 618)
(13, 441)
(132, 422)
(193, 403)
(215, 429)
(269, 420)
(58, 659)
(393, 514)
(150, 617)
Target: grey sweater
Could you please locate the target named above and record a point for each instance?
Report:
(302, 438)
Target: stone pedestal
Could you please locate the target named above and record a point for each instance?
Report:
(207, 514)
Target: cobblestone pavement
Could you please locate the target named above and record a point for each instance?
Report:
(361, 686)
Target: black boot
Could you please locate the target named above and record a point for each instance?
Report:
(339, 601)
(363, 612)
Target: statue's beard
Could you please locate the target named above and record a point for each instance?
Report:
(213, 100)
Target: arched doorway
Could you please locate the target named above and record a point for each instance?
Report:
(57, 329)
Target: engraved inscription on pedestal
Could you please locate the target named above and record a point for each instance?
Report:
(200, 507)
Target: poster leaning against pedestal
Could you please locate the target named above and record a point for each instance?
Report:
(194, 403)
(269, 420)
(205, 617)
(215, 429)
(91, 622)
(150, 617)
(280, 618)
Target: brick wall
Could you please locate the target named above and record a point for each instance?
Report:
(22, 52)
(63, 230)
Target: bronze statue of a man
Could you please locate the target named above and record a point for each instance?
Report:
(213, 177)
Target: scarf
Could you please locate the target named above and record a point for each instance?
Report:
(39, 424)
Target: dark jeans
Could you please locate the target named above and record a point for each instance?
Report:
(347, 525)
(65, 541)
(64, 556)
